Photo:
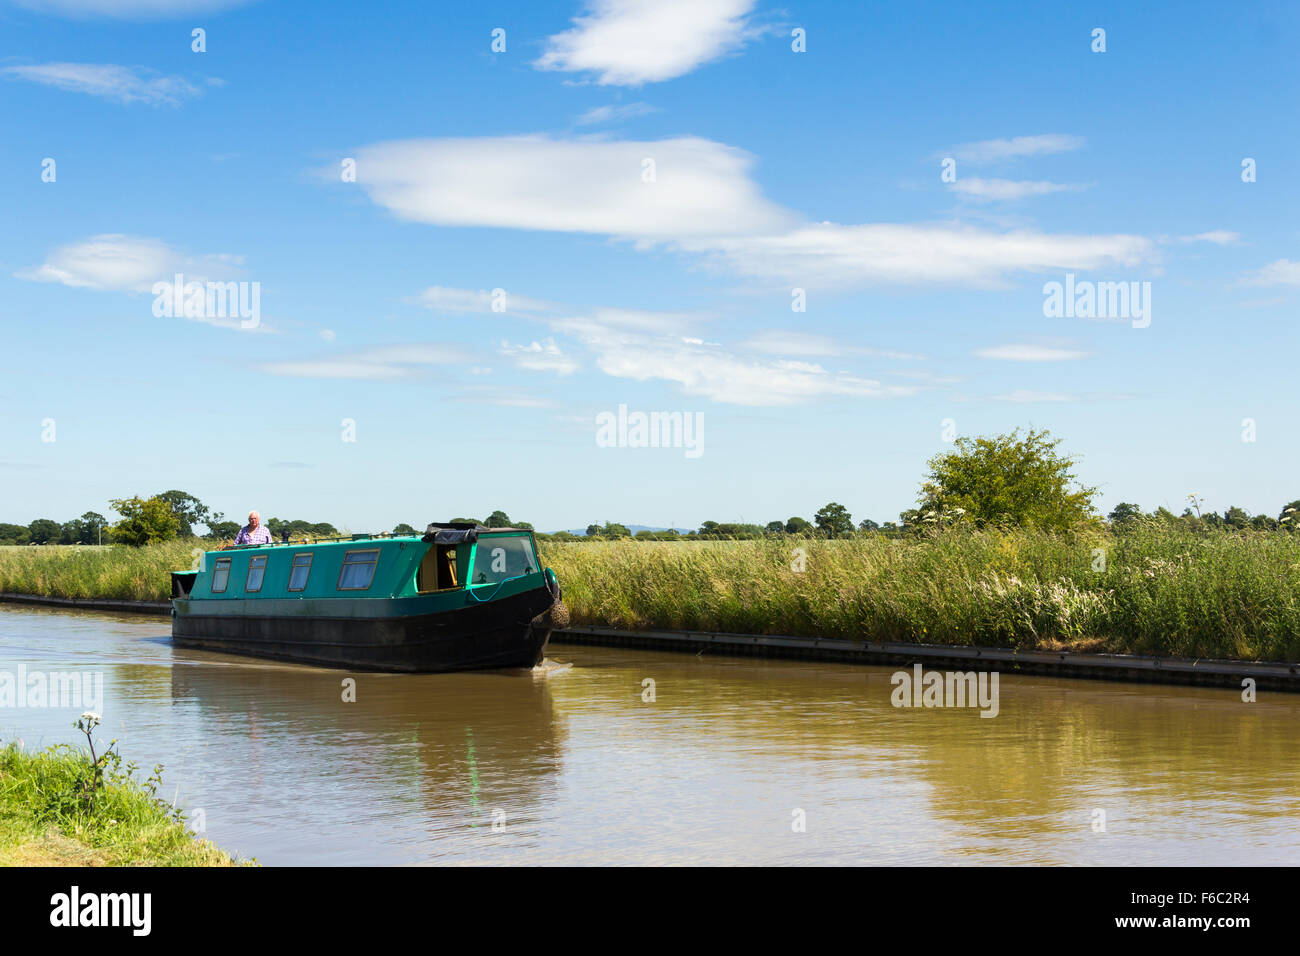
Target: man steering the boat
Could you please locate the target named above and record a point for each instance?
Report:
(254, 532)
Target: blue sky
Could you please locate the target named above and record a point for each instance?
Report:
(526, 171)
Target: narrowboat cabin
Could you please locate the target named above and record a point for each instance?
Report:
(461, 597)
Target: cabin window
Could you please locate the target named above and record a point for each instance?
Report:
(497, 559)
(256, 572)
(358, 570)
(437, 570)
(300, 571)
(220, 575)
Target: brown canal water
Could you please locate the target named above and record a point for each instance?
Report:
(572, 765)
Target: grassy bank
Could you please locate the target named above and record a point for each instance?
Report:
(47, 818)
(83, 571)
(1149, 590)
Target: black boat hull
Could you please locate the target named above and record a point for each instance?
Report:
(507, 632)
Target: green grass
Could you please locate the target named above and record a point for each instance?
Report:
(77, 571)
(1163, 590)
(46, 818)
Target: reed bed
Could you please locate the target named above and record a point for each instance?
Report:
(1150, 590)
(1147, 590)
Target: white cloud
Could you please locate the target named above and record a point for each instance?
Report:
(703, 202)
(1030, 353)
(1023, 396)
(996, 150)
(540, 357)
(631, 42)
(382, 363)
(709, 371)
(126, 264)
(829, 254)
(1281, 272)
(614, 114)
(580, 185)
(1220, 237)
(119, 83)
(990, 190)
(781, 342)
(447, 299)
(130, 9)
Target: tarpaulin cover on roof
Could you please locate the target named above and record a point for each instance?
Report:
(449, 534)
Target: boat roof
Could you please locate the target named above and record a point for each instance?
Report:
(439, 533)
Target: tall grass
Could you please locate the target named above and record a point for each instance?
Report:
(45, 818)
(1150, 589)
(83, 571)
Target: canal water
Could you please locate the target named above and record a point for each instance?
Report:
(733, 761)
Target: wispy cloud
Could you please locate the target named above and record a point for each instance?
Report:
(632, 42)
(126, 264)
(540, 357)
(614, 114)
(996, 150)
(780, 342)
(121, 84)
(991, 190)
(1220, 237)
(1024, 396)
(1030, 353)
(829, 255)
(1281, 272)
(381, 363)
(448, 299)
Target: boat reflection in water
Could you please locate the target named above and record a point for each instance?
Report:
(376, 751)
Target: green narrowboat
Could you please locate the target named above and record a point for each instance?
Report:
(461, 597)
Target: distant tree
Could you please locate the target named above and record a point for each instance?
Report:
(834, 520)
(223, 529)
(866, 524)
(404, 528)
(93, 524)
(1264, 523)
(322, 529)
(523, 525)
(465, 521)
(889, 527)
(615, 530)
(45, 531)
(776, 527)
(593, 530)
(1124, 512)
(144, 521)
(188, 510)
(563, 536)
(498, 519)
(798, 526)
(14, 534)
(709, 528)
(1005, 480)
(1236, 519)
(1164, 515)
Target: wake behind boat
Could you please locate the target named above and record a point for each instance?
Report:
(461, 597)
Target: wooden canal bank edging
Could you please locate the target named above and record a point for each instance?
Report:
(1127, 667)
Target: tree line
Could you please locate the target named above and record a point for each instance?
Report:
(1008, 480)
